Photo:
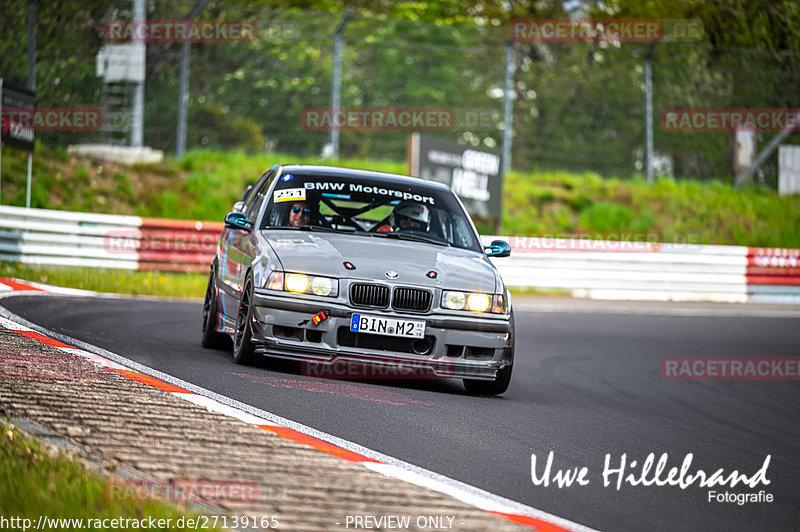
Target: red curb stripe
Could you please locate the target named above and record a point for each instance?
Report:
(529, 521)
(167, 223)
(773, 271)
(14, 285)
(46, 340)
(325, 447)
(150, 381)
(773, 280)
(773, 252)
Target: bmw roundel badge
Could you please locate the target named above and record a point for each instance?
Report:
(392, 275)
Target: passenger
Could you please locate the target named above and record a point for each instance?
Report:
(412, 216)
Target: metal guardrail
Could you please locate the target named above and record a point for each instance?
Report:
(61, 238)
(606, 269)
(586, 268)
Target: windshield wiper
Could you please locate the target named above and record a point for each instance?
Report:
(413, 237)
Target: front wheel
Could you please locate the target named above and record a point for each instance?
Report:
(495, 387)
(500, 383)
(243, 349)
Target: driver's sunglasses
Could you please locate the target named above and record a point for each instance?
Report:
(305, 210)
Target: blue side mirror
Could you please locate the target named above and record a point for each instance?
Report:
(237, 220)
(498, 248)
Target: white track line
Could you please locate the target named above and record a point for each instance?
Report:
(388, 465)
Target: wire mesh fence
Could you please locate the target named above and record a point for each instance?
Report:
(577, 106)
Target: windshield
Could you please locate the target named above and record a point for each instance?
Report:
(384, 209)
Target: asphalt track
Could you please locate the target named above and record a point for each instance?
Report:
(585, 384)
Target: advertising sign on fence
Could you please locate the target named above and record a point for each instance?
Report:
(474, 173)
(17, 129)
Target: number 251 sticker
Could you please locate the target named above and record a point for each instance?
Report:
(289, 194)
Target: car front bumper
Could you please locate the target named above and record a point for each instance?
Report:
(456, 346)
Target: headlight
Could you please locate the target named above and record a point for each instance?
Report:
(297, 282)
(478, 302)
(454, 300)
(474, 301)
(300, 283)
(321, 286)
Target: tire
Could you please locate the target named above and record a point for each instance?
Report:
(243, 350)
(500, 384)
(211, 339)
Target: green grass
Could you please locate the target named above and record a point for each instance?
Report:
(166, 284)
(161, 284)
(35, 483)
(563, 204)
(204, 184)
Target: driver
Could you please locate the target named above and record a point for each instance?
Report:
(299, 214)
(410, 215)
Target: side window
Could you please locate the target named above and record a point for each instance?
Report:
(256, 196)
(462, 235)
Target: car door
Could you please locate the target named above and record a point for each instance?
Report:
(238, 247)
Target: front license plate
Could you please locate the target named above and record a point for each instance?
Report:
(363, 323)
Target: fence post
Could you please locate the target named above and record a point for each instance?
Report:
(137, 119)
(336, 90)
(31, 86)
(648, 107)
(508, 113)
(183, 91)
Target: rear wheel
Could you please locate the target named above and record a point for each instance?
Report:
(500, 383)
(243, 349)
(212, 339)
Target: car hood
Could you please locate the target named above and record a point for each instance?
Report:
(326, 253)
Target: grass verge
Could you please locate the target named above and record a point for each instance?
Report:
(35, 483)
(165, 284)
(204, 184)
